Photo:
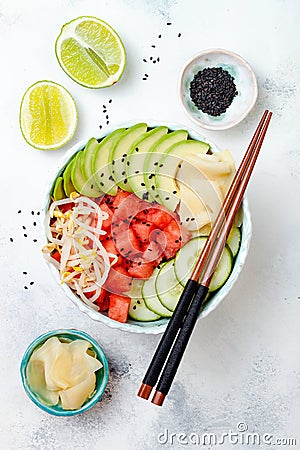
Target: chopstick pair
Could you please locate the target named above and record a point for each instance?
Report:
(168, 354)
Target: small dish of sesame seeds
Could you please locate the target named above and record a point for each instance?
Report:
(217, 89)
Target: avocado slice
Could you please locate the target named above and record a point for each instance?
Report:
(136, 158)
(118, 154)
(153, 156)
(100, 163)
(68, 185)
(58, 191)
(81, 184)
(168, 165)
(86, 158)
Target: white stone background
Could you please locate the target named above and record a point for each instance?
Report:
(243, 362)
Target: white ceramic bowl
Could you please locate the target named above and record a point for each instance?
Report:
(244, 79)
(160, 325)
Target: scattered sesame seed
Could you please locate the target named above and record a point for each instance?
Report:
(104, 111)
(34, 224)
(153, 46)
(25, 235)
(144, 60)
(169, 23)
(107, 117)
(110, 101)
(24, 273)
(31, 283)
(100, 126)
(38, 213)
(107, 122)
(104, 107)
(32, 212)
(19, 212)
(159, 36)
(154, 62)
(179, 34)
(11, 239)
(158, 59)
(25, 287)
(34, 240)
(151, 57)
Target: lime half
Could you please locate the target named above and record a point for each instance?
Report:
(91, 52)
(48, 115)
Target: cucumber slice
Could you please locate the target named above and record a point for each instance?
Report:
(118, 154)
(187, 257)
(58, 191)
(150, 297)
(80, 183)
(136, 159)
(234, 240)
(223, 270)
(167, 287)
(139, 311)
(100, 163)
(68, 185)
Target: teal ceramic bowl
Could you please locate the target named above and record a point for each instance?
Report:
(244, 79)
(101, 374)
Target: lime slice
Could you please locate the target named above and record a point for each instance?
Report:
(48, 115)
(90, 52)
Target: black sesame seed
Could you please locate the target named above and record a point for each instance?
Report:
(106, 117)
(134, 307)
(123, 159)
(100, 126)
(139, 302)
(124, 156)
(174, 192)
(154, 62)
(139, 263)
(34, 224)
(24, 273)
(143, 184)
(31, 283)
(107, 122)
(25, 235)
(156, 163)
(110, 178)
(32, 213)
(123, 173)
(25, 287)
(34, 240)
(145, 196)
(151, 58)
(161, 165)
(38, 213)
(144, 79)
(125, 181)
(169, 23)
(92, 186)
(153, 46)
(11, 239)
(101, 183)
(158, 59)
(159, 36)
(192, 218)
(167, 198)
(128, 163)
(137, 171)
(19, 212)
(144, 60)
(104, 111)
(113, 163)
(104, 107)
(179, 34)
(110, 101)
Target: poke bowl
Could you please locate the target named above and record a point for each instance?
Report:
(126, 215)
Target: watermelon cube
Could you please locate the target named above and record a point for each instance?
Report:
(118, 307)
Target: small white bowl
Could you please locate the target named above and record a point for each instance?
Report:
(160, 325)
(244, 79)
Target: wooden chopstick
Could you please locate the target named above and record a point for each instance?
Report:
(192, 285)
(207, 270)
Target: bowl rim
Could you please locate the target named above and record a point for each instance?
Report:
(74, 333)
(155, 327)
(181, 89)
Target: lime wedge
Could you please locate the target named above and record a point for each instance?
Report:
(90, 52)
(48, 115)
